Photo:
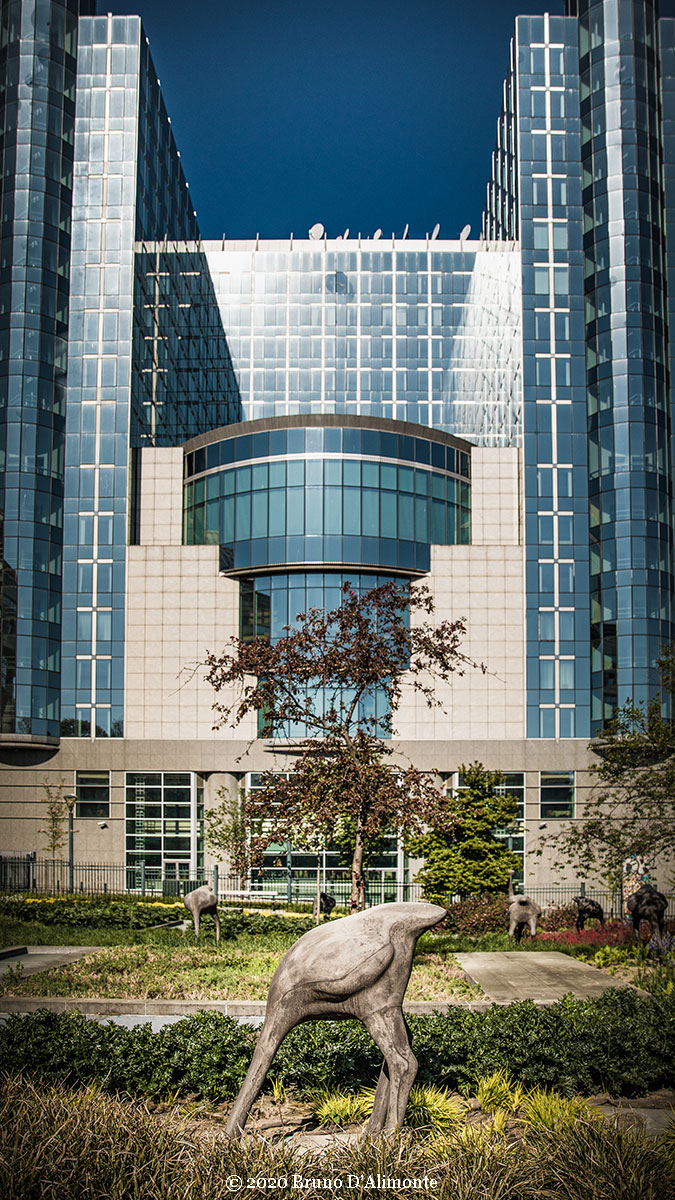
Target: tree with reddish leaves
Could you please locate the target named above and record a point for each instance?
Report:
(338, 678)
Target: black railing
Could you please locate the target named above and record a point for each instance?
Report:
(275, 888)
(278, 888)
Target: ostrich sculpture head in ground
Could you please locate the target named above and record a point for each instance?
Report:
(358, 966)
(523, 913)
(587, 910)
(648, 904)
(202, 902)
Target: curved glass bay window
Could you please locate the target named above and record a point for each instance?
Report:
(269, 604)
(357, 491)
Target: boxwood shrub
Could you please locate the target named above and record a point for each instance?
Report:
(620, 1042)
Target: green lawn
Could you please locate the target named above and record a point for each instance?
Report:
(167, 964)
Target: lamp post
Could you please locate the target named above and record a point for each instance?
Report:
(289, 871)
(70, 800)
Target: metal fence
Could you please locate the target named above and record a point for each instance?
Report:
(60, 877)
(54, 877)
(276, 888)
(611, 902)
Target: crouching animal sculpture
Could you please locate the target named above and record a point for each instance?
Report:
(588, 909)
(648, 904)
(202, 902)
(357, 966)
(523, 913)
(323, 905)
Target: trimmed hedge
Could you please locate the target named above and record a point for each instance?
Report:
(574, 1046)
(127, 913)
(104, 914)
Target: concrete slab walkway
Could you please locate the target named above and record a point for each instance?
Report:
(541, 976)
(41, 958)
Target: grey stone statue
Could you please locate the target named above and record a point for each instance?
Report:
(523, 913)
(358, 966)
(202, 902)
(648, 904)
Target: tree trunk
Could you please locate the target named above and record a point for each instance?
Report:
(358, 896)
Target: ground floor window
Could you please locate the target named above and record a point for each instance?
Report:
(514, 835)
(164, 823)
(291, 870)
(92, 789)
(556, 795)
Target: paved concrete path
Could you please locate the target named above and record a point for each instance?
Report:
(41, 958)
(542, 976)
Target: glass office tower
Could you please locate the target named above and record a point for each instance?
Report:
(38, 66)
(149, 364)
(629, 412)
(578, 177)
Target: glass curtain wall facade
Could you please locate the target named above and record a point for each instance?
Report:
(354, 494)
(576, 174)
(142, 322)
(426, 333)
(38, 48)
(629, 424)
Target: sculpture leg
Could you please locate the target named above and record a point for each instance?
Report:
(533, 926)
(381, 1102)
(271, 1036)
(513, 925)
(195, 918)
(217, 921)
(391, 1034)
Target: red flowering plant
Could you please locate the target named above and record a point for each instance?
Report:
(614, 934)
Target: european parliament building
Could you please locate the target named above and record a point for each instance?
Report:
(202, 439)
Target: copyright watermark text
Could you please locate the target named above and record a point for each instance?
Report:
(333, 1183)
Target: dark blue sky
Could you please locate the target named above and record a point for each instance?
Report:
(364, 114)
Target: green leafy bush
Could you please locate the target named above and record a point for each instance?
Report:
(264, 923)
(614, 956)
(574, 1046)
(563, 916)
(481, 914)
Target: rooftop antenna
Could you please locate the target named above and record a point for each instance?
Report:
(377, 235)
(465, 233)
(316, 232)
(405, 233)
(435, 232)
(345, 235)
